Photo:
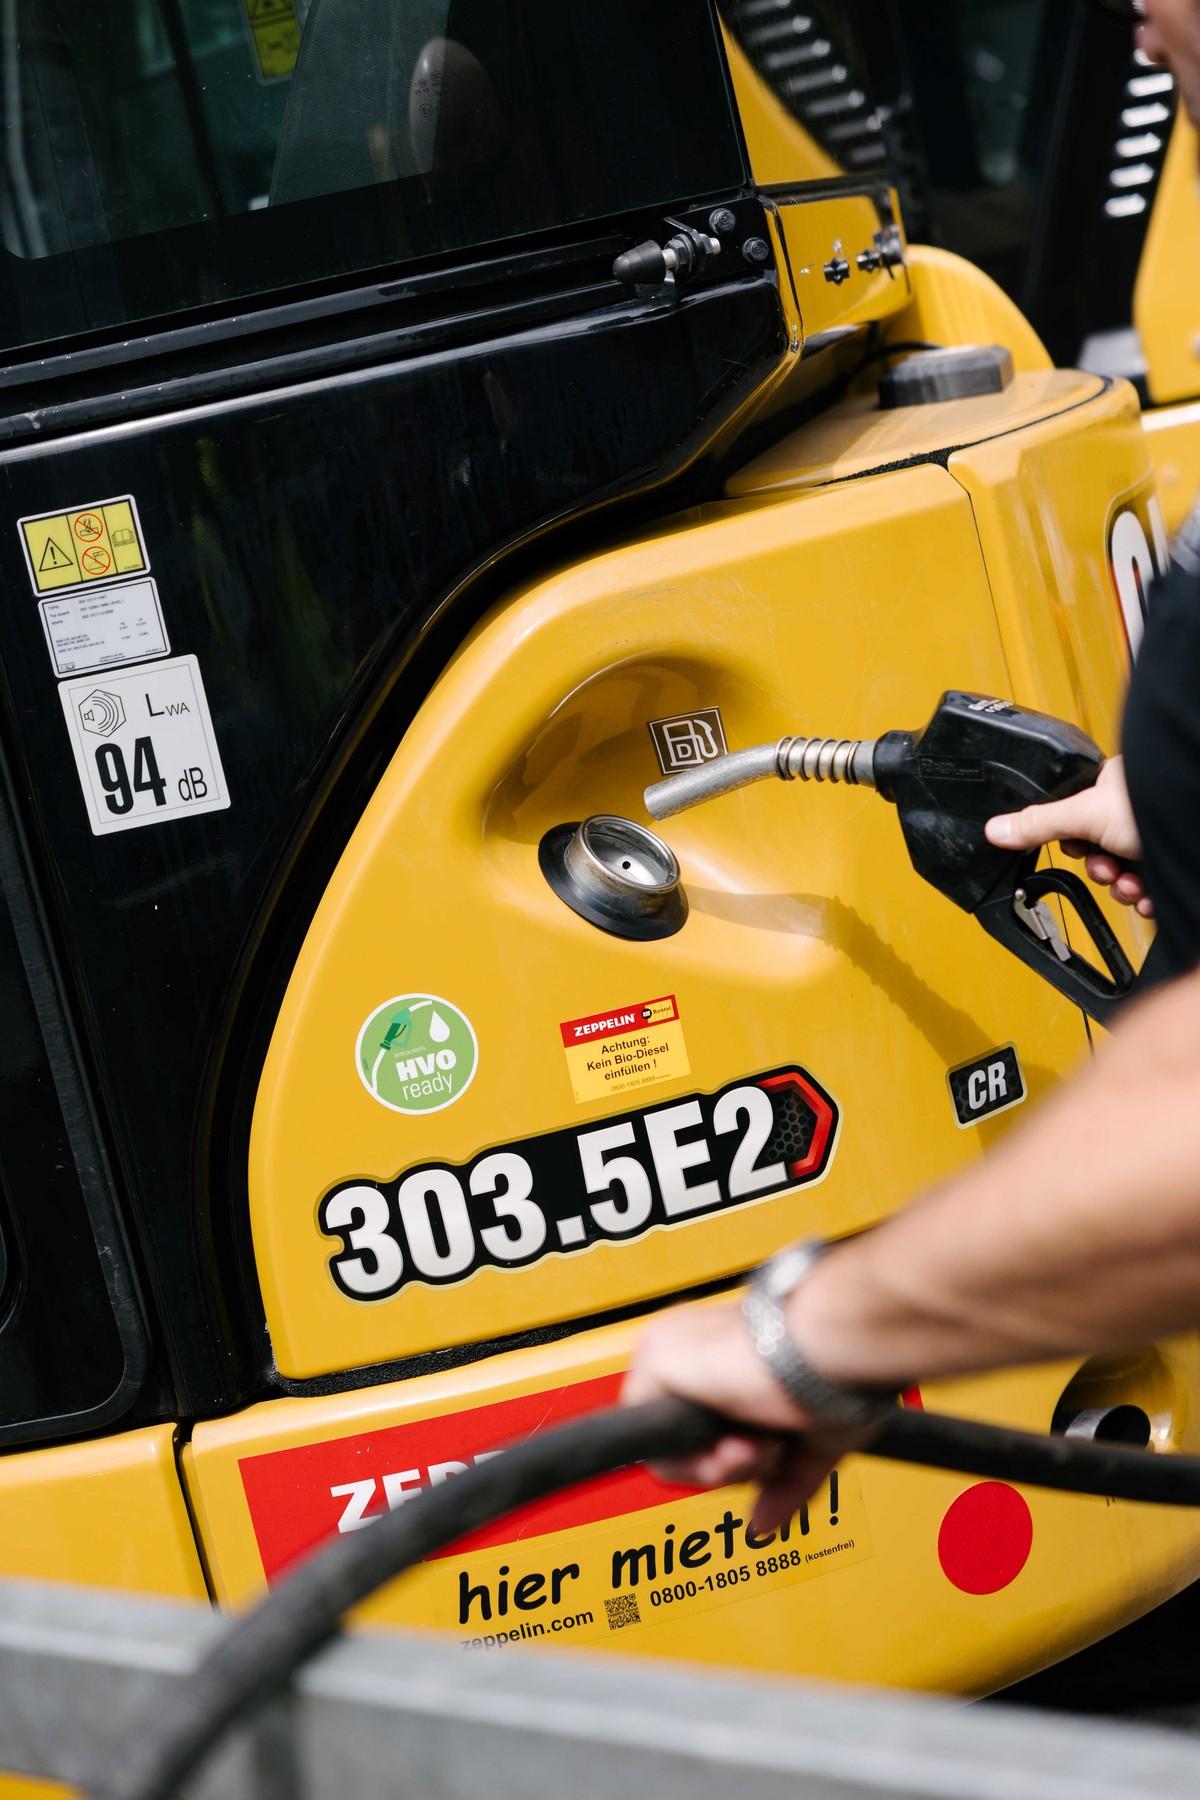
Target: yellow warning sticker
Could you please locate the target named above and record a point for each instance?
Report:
(100, 542)
(628, 1047)
(275, 36)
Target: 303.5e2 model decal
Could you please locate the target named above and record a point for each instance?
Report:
(569, 1189)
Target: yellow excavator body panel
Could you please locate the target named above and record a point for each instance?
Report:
(1164, 303)
(1173, 439)
(808, 936)
(781, 150)
(489, 1137)
(892, 1576)
(1165, 319)
(850, 568)
(953, 302)
(824, 240)
(106, 1513)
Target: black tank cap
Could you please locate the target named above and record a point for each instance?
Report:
(955, 374)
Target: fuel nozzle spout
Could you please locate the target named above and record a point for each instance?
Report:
(976, 757)
(850, 760)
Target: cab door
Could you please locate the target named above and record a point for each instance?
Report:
(307, 322)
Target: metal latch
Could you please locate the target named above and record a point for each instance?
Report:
(1043, 924)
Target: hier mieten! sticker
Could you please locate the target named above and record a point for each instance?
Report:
(623, 1553)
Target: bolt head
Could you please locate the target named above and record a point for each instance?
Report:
(756, 250)
(721, 219)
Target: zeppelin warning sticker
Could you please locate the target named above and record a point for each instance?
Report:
(100, 542)
(627, 1047)
(624, 1552)
(144, 745)
(102, 627)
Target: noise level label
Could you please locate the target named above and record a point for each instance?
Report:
(627, 1047)
(100, 542)
(144, 745)
(624, 1553)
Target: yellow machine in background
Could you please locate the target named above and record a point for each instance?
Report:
(488, 1136)
(1167, 278)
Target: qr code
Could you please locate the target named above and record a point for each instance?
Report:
(622, 1611)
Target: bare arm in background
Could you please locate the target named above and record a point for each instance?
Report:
(1080, 1234)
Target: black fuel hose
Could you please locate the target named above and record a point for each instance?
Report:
(260, 1651)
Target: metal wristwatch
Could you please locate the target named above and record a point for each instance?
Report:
(763, 1309)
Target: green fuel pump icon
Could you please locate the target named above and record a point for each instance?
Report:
(394, 1038)
(416, 1053)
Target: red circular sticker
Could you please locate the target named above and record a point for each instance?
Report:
(96, 561)
(985, 1538)
(87, 527)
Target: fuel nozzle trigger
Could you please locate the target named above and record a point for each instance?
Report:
(976, 757)
(1019, 919)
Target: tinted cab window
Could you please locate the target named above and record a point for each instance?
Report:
(168, 154)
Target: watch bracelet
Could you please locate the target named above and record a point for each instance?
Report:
(829, 1402)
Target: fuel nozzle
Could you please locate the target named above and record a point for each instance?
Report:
(792, 759)
(976, 757)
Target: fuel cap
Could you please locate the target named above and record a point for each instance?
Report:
(616, 875)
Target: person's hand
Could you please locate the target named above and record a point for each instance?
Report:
(704, 1353)
(1097, 824)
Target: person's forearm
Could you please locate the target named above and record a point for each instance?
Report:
(1080, 1234)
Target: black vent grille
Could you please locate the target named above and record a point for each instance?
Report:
(1140, 145)
(795, 1127)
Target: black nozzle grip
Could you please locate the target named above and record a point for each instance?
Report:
(1100, 995)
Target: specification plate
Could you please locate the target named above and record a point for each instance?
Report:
(144, 745)
(101, 628)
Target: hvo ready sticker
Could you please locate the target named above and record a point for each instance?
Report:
(417, 1053)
